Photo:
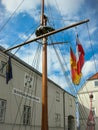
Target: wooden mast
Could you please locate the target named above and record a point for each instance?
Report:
(44, 125)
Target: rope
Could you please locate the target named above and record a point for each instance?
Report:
(11, 16)
(17, 102)
(25, 33)
(20, 47)
(63, 69)
(24, 42)
(34, 85)
(91, 47)
(37, 65)
(83, 112)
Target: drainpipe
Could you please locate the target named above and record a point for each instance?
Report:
(64, 108)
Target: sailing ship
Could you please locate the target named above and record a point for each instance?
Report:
(43, 32)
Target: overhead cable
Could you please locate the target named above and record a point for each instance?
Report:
(11, 16)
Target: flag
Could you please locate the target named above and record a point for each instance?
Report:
(74, 74)
(9, 75)
(72, 58)
(80, 61)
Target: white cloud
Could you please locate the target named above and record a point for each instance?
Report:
(87, 68)
(52, 61)
(55, 71)
(60, 80)
(90, 67)
(27, 5)
(93, 29)
(2, 15)
(96, 57)
(28, 54)
(4, 44)
(26, 37)
(64, 6)
(23, 36)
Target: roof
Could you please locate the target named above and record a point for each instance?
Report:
(93, 77)
(30, 67)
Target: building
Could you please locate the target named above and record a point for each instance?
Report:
(90, 87)
(20, 99)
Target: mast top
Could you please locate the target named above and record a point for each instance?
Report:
(43, 29)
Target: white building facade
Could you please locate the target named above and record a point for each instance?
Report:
(90, 87)
(20, 99)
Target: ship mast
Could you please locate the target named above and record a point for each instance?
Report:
(42, 33)
(44, 125)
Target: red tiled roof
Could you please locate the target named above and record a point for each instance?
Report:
(95, 76)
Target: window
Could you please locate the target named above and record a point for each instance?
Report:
(58, 119)
(96, 83)
(2, 67)
(57, 96)
(2, 109)
(26, 115)
(70, 102)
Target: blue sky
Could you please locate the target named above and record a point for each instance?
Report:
(20, 18)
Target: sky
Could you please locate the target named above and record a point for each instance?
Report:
(19, 20)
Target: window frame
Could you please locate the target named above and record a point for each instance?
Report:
(26, 115)
(96, 83)
(2, 110)
(58, 119)
(70, 102)
(2, 68)
(58, 96)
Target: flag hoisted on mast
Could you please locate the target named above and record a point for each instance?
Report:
(77, 62)
(9, 75)
(73, 63)
(80, 61)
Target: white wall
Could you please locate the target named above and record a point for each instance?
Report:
(15, 103)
